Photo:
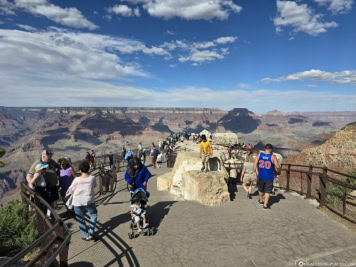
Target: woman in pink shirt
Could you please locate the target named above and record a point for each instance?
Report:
(83, 201)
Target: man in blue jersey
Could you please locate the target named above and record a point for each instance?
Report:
(264, 167)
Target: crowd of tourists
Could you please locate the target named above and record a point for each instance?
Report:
(54, 180)
(260, 170)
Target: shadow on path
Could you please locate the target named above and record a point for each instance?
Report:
(81, 264)
(275, 199)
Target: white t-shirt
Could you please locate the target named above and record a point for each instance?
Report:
(82, 190)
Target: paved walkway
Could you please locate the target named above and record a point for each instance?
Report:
(238, 233)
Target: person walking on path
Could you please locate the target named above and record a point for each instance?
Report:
(111, 160)
(206, 151)
(247, 174)
(50, 176)
(137, 175)
(66, 176)
(82, 190)
(93, 159)
(154, 155)
(264, 166)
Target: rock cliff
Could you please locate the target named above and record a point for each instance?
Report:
(338, 153)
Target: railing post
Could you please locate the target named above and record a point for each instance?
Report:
(322, 178)
(309, 182)
(118, 165)
(288, 178)
(344, 202)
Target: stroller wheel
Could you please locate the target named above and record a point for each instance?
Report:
(130, 236)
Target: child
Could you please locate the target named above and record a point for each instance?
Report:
(138, 211)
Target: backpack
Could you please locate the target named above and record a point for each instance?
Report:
(155, 152)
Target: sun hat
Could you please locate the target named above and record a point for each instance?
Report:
(41, 166)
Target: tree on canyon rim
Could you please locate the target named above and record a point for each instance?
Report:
(2, 153)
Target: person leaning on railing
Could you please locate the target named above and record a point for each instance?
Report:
(83, 201)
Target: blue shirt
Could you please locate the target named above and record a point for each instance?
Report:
(265, 167)
(142, 176)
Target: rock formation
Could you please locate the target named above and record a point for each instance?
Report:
(338, 153)
(186, 180)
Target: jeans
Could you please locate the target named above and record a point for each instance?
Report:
(80, 212)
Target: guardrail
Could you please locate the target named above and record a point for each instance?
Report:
(331, 188)
(54, 239)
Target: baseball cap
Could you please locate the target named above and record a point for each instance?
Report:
(47, 153)
(41, 166)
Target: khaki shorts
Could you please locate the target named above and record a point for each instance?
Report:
(249, 178)
(205, 158)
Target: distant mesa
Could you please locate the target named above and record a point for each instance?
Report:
(239, 120)
(321, 123)
(296, 120)
(161, 127)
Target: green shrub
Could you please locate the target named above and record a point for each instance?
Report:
(17, 228)
(335, 193)
(2, 153)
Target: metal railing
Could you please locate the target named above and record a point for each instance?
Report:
(331, 188)
(54, 239)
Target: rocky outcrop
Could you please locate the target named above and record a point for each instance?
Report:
(338, 153)
(164, 181)
(224, 139)
(207, 188)
(10, 181)
(187, 181)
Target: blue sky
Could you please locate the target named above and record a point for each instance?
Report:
(259, 54)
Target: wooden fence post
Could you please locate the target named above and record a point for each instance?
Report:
(344, 202)
(309, 182)
(288, 178)
(322, 178)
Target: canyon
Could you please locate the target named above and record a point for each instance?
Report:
(72, 131)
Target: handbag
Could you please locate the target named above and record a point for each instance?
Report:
(69, 202)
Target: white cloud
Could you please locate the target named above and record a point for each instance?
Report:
(244, 85)
(342, 77)
(170, 32)
(124, 10)
(136, 12)
(188, 9)
(336, 6)
(301, 18)
(172, 65)
(66, 16)
(200, 56)
(311, 85)
(7, 7)
(199, 52)
(225, 40)
(97, 93)
(26, 27)
(64, 55)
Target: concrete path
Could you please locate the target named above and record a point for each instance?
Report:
(238, 233)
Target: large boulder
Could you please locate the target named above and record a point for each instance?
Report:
(225, 139)
(164, 181)
(207, 188)
(187, 181)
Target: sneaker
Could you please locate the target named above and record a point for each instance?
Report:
(139, 231)
(261, 203)
(249, 196)
(206, 170)
(266, 208)
(145, 225)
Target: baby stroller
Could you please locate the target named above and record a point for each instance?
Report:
(143, 197)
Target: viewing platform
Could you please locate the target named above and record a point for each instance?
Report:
(239, 233)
